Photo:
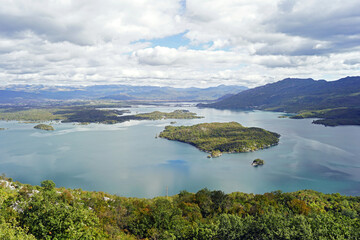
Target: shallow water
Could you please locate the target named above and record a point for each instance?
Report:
(126, 159)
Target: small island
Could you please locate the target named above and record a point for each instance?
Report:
(177, 114)
(258, 162)
(44, 127)
(217, 138)
(1, 129)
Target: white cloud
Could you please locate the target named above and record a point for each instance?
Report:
(231, 42)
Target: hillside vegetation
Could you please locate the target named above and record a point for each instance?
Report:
(223, 137)
(88, 114)
(303, 95)
(177, 114)
(44, 127)
(46, 212)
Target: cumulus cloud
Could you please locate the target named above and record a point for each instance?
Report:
(230, 42)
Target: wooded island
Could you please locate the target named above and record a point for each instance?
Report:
(228, 137)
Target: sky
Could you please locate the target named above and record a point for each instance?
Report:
(177, 43)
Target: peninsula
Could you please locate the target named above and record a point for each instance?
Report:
(219, 138)
(85, 114)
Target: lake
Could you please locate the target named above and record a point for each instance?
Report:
(126, 159)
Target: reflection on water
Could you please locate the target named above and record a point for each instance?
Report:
(128, 160)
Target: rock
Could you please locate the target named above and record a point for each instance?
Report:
(216, 153)
(258, 162)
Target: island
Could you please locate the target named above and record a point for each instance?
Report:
(258, 162)
(1, 129)
(44, 127)
(217, 138)
(177, 114)
(86, 114)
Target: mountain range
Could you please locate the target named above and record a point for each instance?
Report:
(337, 102)
(18, 93)
(294, 95)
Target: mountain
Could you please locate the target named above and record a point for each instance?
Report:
(336, 102)
(15, 96)
(169, 93)
(293, 95)
(115, 92)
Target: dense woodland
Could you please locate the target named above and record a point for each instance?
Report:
(46, 212)
(223, 137)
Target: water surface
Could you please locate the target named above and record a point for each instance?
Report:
(126, 159)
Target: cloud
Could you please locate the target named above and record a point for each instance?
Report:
(90, 22)
(134, 42)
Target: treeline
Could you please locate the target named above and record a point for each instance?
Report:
(46, 212)
(223, 137)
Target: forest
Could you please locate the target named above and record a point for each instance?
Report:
(47, 212)
(84, 113)
(223, 137)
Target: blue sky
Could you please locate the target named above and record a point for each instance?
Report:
(177, 43)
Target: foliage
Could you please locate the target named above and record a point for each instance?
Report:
(258, 162)
(44, 127)
(87, 114)
(47, 212)
(223, 137)
(48, 185)
(47, 216)
(11, 232)
(29, 115)
(177, 114)
(332, 117)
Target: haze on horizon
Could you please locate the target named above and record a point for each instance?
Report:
(177, 43)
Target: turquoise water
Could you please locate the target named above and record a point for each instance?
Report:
(126, 159)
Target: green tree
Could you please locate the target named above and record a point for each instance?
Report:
(48, 217)
(48, 185)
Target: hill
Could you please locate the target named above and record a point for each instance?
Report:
(47, 212)
(301, 95)
(222, 137)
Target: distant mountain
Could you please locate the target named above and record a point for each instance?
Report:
(14, 96)
(294, 95)
(334, 103)
(115, 92)
(179, 94)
